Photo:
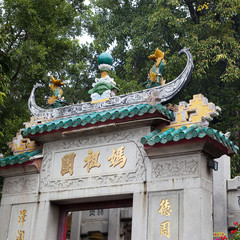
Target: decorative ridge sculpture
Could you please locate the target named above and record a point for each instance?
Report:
(57, 99)
(162, 94)
(155, 77)
(104, 87)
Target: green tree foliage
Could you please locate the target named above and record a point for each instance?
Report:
(210, 28)
(37, 39)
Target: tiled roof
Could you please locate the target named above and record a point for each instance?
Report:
(101, 116)
(20, 158)
(194, 131)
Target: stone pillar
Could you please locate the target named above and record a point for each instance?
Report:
(197, 211)
(5, 214)
(139, 216)
(46, 225)
(76, 225)
(233, 189)
(18, 205)
(180, 191)
(220, 179)
(114, 224)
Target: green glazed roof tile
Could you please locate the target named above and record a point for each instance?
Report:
(20, 158)
(163, 138)
(145, 139)
(101, 116)
(176, 133)
(195, 132)
(185, 132)
(163, 135)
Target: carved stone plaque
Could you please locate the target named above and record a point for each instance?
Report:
(112, 158)
(20, 184)
(175, 167)
(95, 160)
(164, 216)
(21, 221)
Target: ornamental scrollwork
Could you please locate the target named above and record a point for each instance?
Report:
(175, 168)
(137, 175)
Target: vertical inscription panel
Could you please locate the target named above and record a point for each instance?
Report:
(20, 222)
(164, 216)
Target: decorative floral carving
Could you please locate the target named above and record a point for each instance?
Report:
(20, 184)
(138, 175)
(174, 168)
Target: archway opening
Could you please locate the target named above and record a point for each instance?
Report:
(96, 220)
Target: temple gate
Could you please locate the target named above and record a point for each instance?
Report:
(120, 167)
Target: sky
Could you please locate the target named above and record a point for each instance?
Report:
(85, 38)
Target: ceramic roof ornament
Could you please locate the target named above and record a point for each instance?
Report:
(155, 77)
(191, 122)
(104, 87)
(57, 99)
(159, 94)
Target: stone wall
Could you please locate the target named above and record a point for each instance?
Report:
(171, 187)
(233, 190)
(19, 206)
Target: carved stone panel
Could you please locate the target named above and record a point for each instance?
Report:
(96, 161)
(21, 221)
(164, 215)
(126, 166)
(20, 185)
(186, 166)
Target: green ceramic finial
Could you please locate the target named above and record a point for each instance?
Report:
(105, 58)
(104, 87)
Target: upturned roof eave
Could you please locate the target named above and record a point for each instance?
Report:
(27, 161)
(205, 144)
(118, 115)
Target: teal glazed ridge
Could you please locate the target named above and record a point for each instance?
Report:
(105, 58)
(92, 118)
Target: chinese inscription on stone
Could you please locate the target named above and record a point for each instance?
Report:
(21, 220)
(118, 157)
(165, 229)
(93, 212)
(67, 164)
(20, 235)
(165, 209)
(92, 160)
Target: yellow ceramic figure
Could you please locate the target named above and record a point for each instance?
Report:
(155, 74)
(57, 92)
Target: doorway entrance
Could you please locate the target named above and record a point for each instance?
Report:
(96, 220)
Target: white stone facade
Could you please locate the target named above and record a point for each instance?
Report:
(175, 174)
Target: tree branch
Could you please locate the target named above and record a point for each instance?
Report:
(13, 41)
(193, 12)
(17, 71)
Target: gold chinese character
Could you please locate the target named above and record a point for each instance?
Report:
(165, 208)
(67, 164)
(20, 235)
(92, 160)
(165, 229)
(118, 157)
(22, 216)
